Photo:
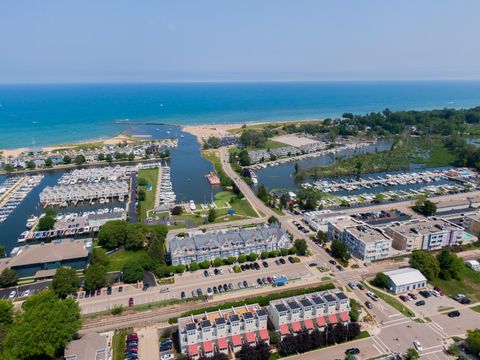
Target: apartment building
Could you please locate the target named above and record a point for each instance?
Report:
(363, 241)
(222, 331)
(309, 311)
(200, 246)
(430, 234)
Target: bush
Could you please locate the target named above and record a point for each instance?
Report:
(252, 257)
(237, 269)
(117, 310)
(179, 269)
(142, 181)
(301, 246)
(217, 262)
(205, 264)
(380, 281)
(242, 259)
(177, 210)
(141, 195)
(194, 266)
(8, 277)
(132, 272)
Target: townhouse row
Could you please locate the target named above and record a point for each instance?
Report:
(198, 247)
(369, 242)
(227, 331)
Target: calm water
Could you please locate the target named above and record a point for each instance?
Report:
(188, 171)
(281, 176)
(52, 114)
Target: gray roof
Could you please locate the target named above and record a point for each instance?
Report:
(248, 315)
(329, 298)
(281, 308)
(190, 326)
(205, 323)
(262, 313)
(220, 321)
(305, 302)
(293, 305)
(234, 318)
(341, 296)
(91, 346)
(318, 300)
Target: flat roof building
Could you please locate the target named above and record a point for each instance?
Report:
(405, 279)
(30, 259)
(91, 346)
(430, 234)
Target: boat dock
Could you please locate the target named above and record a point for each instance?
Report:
(165, 197)
(75, 224)
(63, 195)
(213, 178)
(96, 175)
(387, 180)
(13, 191)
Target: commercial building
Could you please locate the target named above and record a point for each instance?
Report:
(473, 264)
(310, 311)
(405, 279)
(222, 244)
(430, 234)
(363, 241)
(318, 220)
(30, 259)
(222, 330)
(91, 346)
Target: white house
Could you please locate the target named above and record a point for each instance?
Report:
(405, 279)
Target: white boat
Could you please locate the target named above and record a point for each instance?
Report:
(192, 205)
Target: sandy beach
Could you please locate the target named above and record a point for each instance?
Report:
(121, 138)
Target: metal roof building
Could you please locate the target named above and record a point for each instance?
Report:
(405, 279)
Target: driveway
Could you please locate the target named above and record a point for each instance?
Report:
(148, 346)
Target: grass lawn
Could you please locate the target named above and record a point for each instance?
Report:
(393, 302)
(118, 343)
(151, 175)
(242, 207)
(269, 144)
(476, 308)
(469, 285)
(118, 259)
(363, 334)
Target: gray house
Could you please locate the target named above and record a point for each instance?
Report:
(200, 246)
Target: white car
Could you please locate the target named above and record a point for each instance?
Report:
(26, 293)
(417, 345)
(167, 356)
(12, 294)
(435, 293)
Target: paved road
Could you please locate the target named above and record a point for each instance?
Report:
(132, 205)
(4, 293)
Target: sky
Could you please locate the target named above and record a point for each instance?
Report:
(57, 41)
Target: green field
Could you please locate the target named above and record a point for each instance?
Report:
(151, 175)
(269, 144)
(118, 259)
(468, 285)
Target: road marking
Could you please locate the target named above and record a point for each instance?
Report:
(381, 343)
(431, 352)
(432, 347)
(437, 324)
(375, 346)
(397, 314)
(439, 332)
(396, 324)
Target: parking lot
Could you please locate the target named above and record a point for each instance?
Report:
(23, 291)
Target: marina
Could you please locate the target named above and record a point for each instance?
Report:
(13, 191)
(95, 175)
(73, 224)
(165, 196)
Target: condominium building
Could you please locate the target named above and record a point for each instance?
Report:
(222, 244)
(363, 241)
(309, 311)
(429, 234)
(222, 331)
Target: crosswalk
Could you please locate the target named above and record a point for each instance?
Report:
(380, 346)
(437, 329)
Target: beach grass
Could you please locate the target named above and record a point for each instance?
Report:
(118, 259)
(151, 176)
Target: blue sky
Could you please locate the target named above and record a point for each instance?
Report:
(221, 40)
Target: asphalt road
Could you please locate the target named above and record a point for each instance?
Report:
(132, 207)
(19, 290)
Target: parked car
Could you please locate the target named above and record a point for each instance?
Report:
(120, 288)
(352, 285)
(245, 283)
(333, 262)
(418, 345)
(182, 295)
(225, 287)
(404, 298)
(360, 286)
(265, 264)
(12, 294)
(215, 290)
(435, 293)
(291, 259)
(352, 351)
(339, 267)
(440, 291)
(372, 296)
(420, 303)
(412, 296)
(313, 264)
(109, 290)
(282, 261)
(240, 285)
(368, 304)
(426, 294)
(259, 281)
(209, 292)
(199, 292)
(230, 286)
(130, 302)
(454, 313)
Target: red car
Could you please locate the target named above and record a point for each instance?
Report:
(130, 302)
(440, 291)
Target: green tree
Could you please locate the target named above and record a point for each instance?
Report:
(285, 251)
(156, 250)
(6, 312)
(31, 165)
(131, 157)
(8, 277)
(79, 159)
(322, 236)
(451, 265)
(262, 193)
(65, 282)
(46, 223)
(8, 168)
(112, 234)
(2, 251)
(95, 277)
(101, 157)
(99, 256)
(252, 257)
(426, 263)
(473, 341)
(67, 159)
(179, 269)
(339, 249)
(177, 210)
(264, 254)
(205, 264)
(242, 259)
(132, 272)
(48, 163)
(217, 262)
(380, 281)
(412, 354)
(141, 181)
(109, 158)
(44, 327)
(272, 220)
(212, 215)
(194, 266)
(141, 195)
(301, 246)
